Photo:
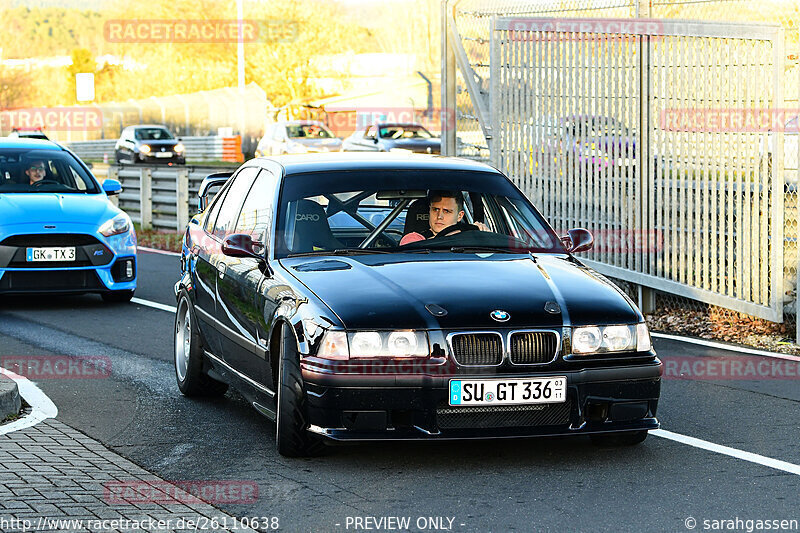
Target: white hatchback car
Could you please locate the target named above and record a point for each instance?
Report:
(298, 137)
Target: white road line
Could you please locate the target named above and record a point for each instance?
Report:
(42, 407)
(155, 305)
(722, 346)
(156, 251)
(725, 450)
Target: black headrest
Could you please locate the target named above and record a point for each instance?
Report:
(417, 217)
(311, 229)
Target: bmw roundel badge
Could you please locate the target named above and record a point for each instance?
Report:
(500, 316)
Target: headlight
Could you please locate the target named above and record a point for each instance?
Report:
(145, 149)
(602, 339)
(371, 344)
(180, 147)
(119, 224)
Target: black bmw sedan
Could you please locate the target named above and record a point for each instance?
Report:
(355, 297)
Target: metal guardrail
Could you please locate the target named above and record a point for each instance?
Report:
(158, 197)
(198, 149)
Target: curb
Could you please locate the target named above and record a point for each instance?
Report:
(10, 403)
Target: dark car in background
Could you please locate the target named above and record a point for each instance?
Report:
(393, 137)
(296, 290)
(28, 133)
(582, 143)
(149, 143)
(298, 137)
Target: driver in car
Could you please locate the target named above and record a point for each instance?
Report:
(446, 209)
(35, 172)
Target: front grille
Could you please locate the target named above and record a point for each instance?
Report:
(477, 349)
(503, 416)
(50, 239)
(51, 280)
(533, 347)
(89, 251)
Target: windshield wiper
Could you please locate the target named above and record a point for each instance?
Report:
(470, 249)
(342, 251)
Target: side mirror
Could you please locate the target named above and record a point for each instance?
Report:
(242, 245)
(90, 165)
(375, 140)
(112, 187)
(578, 240)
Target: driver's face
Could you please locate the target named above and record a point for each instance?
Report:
(443, 213)
(35, 172)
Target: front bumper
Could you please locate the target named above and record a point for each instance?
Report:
(103, 264)
(152, 160)
(351, 407)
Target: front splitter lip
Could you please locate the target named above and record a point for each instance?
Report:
(420, 434)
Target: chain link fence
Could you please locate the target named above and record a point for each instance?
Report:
(474, 19)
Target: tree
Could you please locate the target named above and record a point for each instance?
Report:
(15, 88)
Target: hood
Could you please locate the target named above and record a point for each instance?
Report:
(391, 291)
(330, 144)
(415, 145)
(55, 208)
(163, 142)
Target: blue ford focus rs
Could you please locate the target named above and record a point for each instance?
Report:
(59, 232)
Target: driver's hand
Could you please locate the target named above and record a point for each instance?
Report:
(482, 226)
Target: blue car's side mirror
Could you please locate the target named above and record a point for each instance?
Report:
(112, 187)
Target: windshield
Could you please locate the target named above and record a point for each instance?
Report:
(26, 171)
(311, 131)
(153, 134)
(404, 131)
(407, 210)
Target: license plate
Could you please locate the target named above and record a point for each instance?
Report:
(50, 254)
(163, 154)
(508, 391)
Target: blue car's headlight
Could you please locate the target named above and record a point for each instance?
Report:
(119, 224)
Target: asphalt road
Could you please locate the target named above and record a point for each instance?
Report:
(554, 484)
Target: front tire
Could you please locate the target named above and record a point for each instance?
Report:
(192, 381)
(613, 440)
(291, 435)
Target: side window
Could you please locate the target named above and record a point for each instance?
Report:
(231, 204)
(79, 183)
(256, 216)
(212, 215)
